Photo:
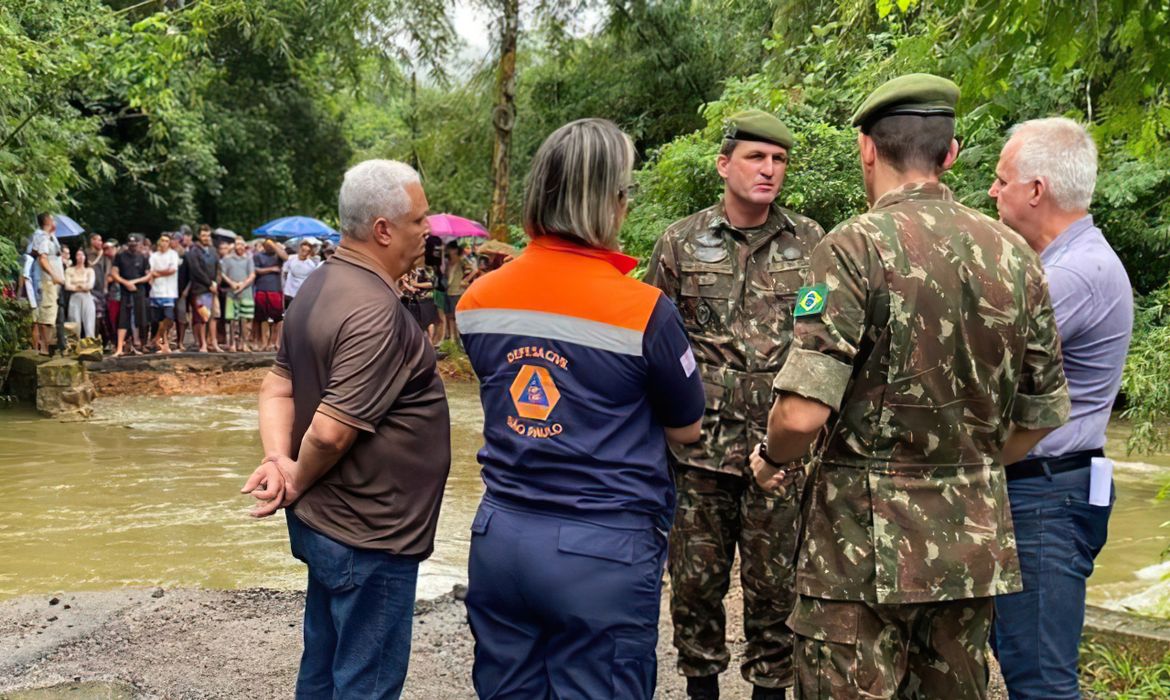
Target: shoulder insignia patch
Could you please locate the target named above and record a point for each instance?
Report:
(810, 301)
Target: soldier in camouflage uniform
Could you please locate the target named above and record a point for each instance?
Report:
(927, 336)
(733, 270)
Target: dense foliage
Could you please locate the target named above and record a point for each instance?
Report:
(1014, 62)
(1146, 383)
(140, 115)
(14, 319)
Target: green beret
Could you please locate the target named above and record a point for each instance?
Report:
(755, 125)
(920, 94)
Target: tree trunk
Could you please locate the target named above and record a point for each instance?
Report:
(413, 121)
(503, 119)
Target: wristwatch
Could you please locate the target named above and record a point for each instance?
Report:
(763, 451)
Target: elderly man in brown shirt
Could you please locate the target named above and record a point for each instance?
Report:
(356, 437)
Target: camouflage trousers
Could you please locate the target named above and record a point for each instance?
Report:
(925, 651)
(716, 514)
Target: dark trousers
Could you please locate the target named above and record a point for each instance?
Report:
(102, 327)
(717, 514)
(358, 614)
(62, 306)
(1037, 632)
(132, 312)
(562, 608)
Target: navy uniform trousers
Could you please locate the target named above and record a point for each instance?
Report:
(563, 608)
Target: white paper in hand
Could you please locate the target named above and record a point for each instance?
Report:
(1100, 481)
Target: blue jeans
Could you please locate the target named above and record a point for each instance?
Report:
(1037, 632)
(358, 614)
(562, 608)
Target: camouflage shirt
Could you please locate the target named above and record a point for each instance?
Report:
(735, 289)
(936, 334)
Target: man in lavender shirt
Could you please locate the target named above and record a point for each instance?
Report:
(1043, 185)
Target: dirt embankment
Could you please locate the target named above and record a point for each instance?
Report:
(179, 382)
(206, 375)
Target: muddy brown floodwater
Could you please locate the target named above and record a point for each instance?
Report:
(94, 515)
(146, 494)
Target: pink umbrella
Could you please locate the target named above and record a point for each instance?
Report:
(451, 226)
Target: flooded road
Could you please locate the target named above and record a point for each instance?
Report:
(146, 494)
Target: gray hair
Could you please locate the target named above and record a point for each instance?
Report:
(1062, 153)
(579, 179)
(373, 189)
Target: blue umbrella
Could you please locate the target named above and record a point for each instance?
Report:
(293, 226)
(67, 227)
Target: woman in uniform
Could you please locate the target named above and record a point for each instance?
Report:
(585, 373)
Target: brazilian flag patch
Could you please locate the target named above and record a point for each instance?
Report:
(810, 301)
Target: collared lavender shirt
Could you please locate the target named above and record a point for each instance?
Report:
(1093, 302)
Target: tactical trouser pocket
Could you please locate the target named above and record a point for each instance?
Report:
(826, 655)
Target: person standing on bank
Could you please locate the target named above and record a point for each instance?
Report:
(926, 329)
(79, 280)
(101, 272)
(357, 443)
(297, 270)
(585, 374)
(269, 299)
(164, 291)
(131, 272)
(46, 250)
(1061, 495)
(237, 271)
(202, 270)
(733, 270)
(458, 275)
(113, 289)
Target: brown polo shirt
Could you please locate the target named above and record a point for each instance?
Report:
(354, 353)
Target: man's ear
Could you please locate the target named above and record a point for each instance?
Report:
(1039, 187)
(383, 231)
(952, 155)
(867, 148)
(721, 162)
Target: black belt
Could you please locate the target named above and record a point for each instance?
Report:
(1047, 466)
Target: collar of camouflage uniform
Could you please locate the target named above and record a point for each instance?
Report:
(720, 221)
(913, 190)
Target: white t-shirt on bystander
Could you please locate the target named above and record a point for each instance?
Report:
(164, 287)
(296, 271)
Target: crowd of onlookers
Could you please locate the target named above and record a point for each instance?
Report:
(145, 296)
(203, 291)
(431, 291)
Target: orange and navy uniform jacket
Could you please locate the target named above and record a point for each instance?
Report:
(580, 368)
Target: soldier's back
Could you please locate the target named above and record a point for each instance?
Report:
(961, 291)
(956, 343)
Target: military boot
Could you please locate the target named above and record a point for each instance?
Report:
(703, 687)
(759, 692)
